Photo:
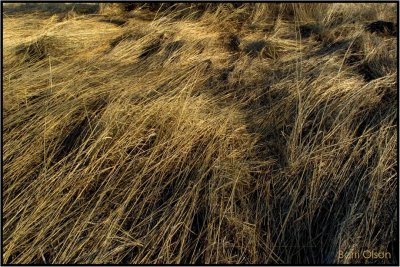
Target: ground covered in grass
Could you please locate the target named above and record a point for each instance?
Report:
(201, 133)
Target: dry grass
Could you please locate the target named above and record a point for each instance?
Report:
(229, 133)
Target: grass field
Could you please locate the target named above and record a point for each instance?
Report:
(258, 133)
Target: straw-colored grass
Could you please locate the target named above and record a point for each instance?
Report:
(200, 133)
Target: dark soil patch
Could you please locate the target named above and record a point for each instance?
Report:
(308, 30)
(331, 48)
(233, 43)
(118, 22)
(73, 139)
(254, 48)
(150, 49)
(225, 73)
(382, 27)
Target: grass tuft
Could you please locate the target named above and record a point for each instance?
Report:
(198, 133)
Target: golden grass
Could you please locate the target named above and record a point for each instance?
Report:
(209, 133)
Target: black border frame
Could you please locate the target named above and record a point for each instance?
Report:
(199, 1)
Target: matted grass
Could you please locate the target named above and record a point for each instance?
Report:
(210, 133)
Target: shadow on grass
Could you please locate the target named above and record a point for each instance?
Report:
(49, 8)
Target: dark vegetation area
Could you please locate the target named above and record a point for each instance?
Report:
(163, 133)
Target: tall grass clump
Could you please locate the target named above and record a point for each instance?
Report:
(185, 133)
